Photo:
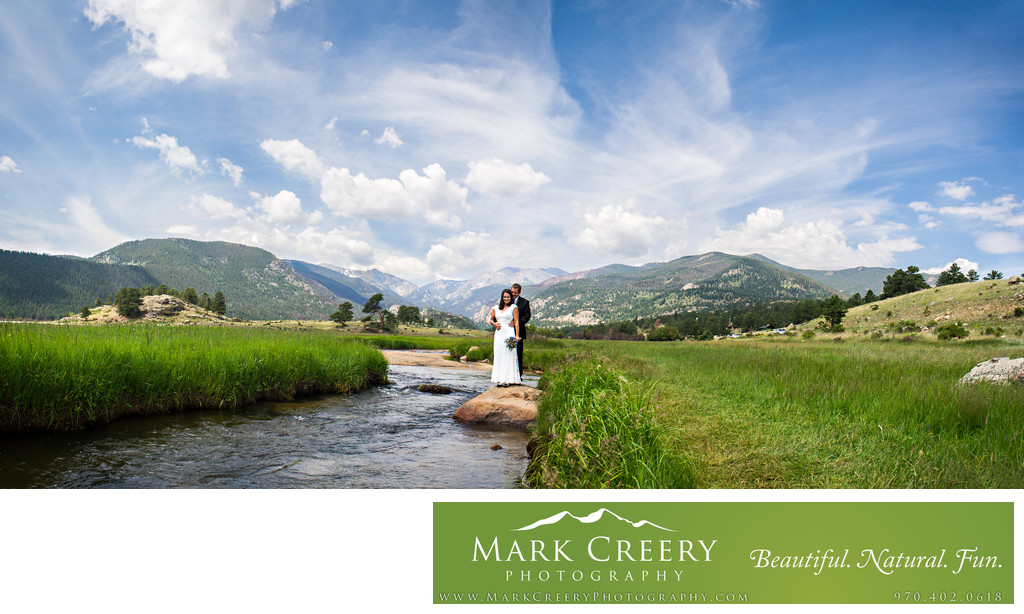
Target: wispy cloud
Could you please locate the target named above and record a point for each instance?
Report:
(231, 170)
(178, 157)
(815, 245)
(502, 179)
(8, 165)
(389, 137)
(999, 242)
(955, 190)
(176, 40)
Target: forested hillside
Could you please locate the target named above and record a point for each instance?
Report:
(40, 287)
(707, 282)
(846, 282)
(257, 284)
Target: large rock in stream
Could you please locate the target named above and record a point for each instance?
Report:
(510, 406)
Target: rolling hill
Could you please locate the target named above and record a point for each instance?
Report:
(692, 283)
(979, 304)
(846, 282)
(258, 285)
(41, 287)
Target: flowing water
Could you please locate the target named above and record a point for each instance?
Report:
(388, 437)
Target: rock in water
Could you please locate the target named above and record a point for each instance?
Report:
(998, 370)
(511, 406)
(434, 389)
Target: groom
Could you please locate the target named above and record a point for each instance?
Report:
(524, 316)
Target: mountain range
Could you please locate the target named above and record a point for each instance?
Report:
(260, 286)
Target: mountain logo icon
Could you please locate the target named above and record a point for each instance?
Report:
(590, 519)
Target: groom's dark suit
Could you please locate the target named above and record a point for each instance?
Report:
(523, 306)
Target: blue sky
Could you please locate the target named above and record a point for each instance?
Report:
(440, 139)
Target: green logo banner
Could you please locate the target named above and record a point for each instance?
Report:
(764, 553)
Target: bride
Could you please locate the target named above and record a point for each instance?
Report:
(505, 320)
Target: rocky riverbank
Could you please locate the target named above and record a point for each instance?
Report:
(512, 406)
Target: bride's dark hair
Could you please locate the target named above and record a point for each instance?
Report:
(501, 299)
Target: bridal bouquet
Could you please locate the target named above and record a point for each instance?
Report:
(511, 343)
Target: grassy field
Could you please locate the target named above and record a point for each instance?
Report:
(818, 414)
(598, 429)
(68, 377)
(981, 305)
(766, 412)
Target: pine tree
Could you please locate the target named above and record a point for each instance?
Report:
(834, 310)
(952, 275)
(129, 302)
(903, 282)
(220, 306)
(374, 308)
(343, 314)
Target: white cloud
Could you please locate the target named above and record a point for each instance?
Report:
(431, 196)
(177, 157)
(999, 242)
(455, 254)
(921, 206)
(964, 264)
(330, 125)
(183, 230)
(8, 165)
(286, 208)
(295, 157)
(338, 245)
(495, 177)
(389, 137)
(1004, 211)
(928, 221)
(955, 190)
(326, 45)
(84, 216)
(815, 245)
(508, 108)
(615, 230)
(231, 170)
(213, 207)
(269, 224)
(178, 39)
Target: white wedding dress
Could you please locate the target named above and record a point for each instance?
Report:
(506, 362)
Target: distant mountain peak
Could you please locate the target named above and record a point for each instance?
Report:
(590, 519)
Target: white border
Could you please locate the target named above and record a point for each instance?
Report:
(291, 550)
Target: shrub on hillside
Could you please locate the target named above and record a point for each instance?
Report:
(904, 326)
(665, 333)
(952, 331)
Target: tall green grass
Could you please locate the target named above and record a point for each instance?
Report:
(596, 429)
(823, 414)
(69, 377)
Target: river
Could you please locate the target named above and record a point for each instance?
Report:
(388, 437)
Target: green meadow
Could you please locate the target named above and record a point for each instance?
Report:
(787, 413)
(69, 377)
(764, 412)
